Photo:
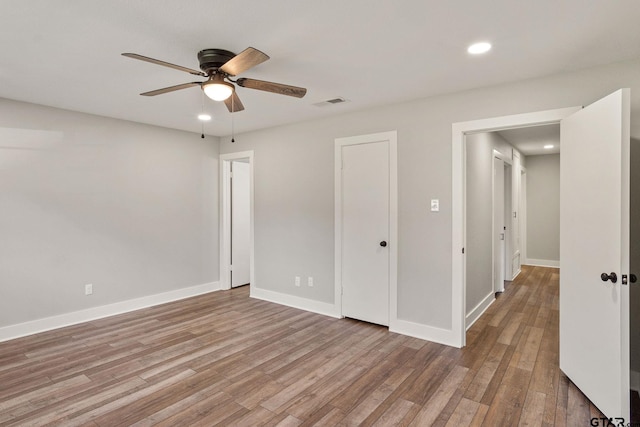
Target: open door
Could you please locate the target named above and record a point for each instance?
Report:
(594, 247)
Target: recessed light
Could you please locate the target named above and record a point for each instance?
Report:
(548, 147)
(479, 48)
(204, 117)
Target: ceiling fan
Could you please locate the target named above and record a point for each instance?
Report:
(218, 66)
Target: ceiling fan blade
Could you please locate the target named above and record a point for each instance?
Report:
(165, 64)
(233, 103)
(279, 88)
(170, 89)
(248, 58)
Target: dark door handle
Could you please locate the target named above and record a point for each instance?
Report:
(613, 277)
(383, 244)
(632, 278)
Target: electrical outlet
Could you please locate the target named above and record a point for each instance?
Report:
(88, 289)
(297, 281)
(310, 281)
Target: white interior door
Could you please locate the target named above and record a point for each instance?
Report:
(240, 223)
(498, 225)
(594, 239)
(365, 232)
(508, 244)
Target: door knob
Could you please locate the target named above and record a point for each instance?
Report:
(613, 277)
(632, 278)
(383, 243)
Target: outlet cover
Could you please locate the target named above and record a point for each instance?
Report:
(297, 281)
(310, 281)
(88, 289)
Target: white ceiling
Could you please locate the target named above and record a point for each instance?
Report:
(530, 141)
(66, 54)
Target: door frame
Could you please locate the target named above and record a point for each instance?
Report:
(392, 138)
(522, 211)
(458, 208)
(225, 217)
(506, 161)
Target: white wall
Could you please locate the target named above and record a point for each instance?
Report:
(479, 207)
(133, 208)
(129, 208)
(543, 210)
(294, 183)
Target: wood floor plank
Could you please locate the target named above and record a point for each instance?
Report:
(486, 373)
(321, 393)
(367, 406)
(578, 410)
(434, 406)
(464, 413)
(533, 409)
(395, 414)
(227, 359)
(283, 420)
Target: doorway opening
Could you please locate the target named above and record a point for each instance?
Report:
(464, 312)
(236, 220)
(595, 237)
(494, 206)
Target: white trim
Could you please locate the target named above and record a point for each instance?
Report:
(89, 314)
(423, 332)
(392, 138)
(542, 262)
(634, 380)
(225, 212)
(508, 160)
(479, 309)
(523, 214)
(313, 306)
(458, 239)
(497, 287)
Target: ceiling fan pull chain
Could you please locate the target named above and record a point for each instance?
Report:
(233, 109)
(202, 112)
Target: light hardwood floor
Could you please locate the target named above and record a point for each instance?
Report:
(227, 359)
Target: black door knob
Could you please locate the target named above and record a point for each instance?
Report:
(632, 278)
(383, 244)
(613, 277)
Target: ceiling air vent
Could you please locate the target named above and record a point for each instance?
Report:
(338, 100)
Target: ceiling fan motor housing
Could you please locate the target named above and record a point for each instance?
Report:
(212, 59)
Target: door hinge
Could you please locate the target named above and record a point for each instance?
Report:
(462, 250)
(230, 267)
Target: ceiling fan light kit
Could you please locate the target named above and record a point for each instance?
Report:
(217, 89)
(218, 65)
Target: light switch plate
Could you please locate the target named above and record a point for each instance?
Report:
(435, 205)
